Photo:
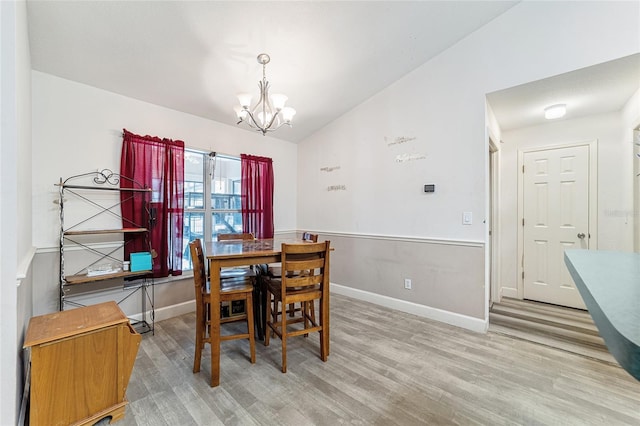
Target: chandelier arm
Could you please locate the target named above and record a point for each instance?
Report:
(264, 93)
(242, 120)
(273, 118)
(255, 123)
(278, 126)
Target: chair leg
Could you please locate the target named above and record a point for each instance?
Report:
(197, 357)
(263, 306)
(283, 333)
(199, 343)
(250, 326)
(267, 329)
(257, 314)
(324, 331)
(304, 308)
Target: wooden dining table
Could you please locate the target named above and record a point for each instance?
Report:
(222, 254)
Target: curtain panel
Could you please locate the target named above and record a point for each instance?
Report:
(257, 195)
(157, 164)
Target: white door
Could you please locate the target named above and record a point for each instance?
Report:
(556, 217)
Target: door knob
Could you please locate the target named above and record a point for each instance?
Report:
(581, 235)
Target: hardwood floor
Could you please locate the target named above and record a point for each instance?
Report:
(569, 329)
(385, 368)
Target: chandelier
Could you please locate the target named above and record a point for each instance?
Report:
(268, 114)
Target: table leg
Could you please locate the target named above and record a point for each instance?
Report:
(326, 327)
(214, 316)
(257, 308)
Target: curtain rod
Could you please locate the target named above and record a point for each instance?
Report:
(214, 154)
(211, 154)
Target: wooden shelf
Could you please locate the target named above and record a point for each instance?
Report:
(107, 231)
(82, 279)
(105, 188)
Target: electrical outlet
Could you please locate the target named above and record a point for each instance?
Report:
(407, 283)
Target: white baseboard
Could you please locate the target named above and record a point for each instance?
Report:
(509, 292)
(458, 320)
(170, 311)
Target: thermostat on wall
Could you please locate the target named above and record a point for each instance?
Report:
(430, 188)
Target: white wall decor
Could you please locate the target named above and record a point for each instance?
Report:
(403, 158)
(329, 169)
(398, 140)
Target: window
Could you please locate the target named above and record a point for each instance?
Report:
(211, 198)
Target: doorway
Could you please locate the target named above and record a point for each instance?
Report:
(557, 201)
(493, 231)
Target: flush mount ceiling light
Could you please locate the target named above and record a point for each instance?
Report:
(269, 113)
(555, 111)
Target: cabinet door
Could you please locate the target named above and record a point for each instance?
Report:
(76, 377)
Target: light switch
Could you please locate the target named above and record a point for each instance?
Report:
(467, 218)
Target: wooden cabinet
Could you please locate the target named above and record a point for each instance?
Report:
(81, 361)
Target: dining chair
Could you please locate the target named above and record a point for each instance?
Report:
(248, 272)
(306, 289)
(275, 269)
(238, 236)
(242, 272)
(230, 291)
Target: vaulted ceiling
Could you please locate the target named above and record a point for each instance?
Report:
(326, 56)
(196, 56)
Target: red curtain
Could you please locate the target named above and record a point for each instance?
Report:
(257, 195)
(157, 164)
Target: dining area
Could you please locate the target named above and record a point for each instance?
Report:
(277, 287)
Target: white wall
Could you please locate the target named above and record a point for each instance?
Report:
(15, 201)
(78, 129)
(442, 105)
(615, 200)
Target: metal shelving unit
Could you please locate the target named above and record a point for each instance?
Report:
(89, 190)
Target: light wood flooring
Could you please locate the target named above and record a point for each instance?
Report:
(385, 368)
(568, 329)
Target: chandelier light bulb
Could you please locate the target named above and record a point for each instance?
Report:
(241, 113)
(264, 117)
(278, 101)
(245, 100)
(287, 114)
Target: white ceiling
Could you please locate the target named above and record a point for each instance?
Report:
(598, 89)
(196, 56)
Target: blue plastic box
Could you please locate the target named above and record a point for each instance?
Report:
(140, 261)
